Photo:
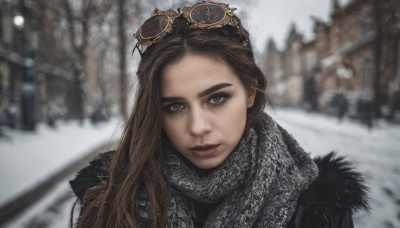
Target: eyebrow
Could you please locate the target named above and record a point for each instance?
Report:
(201, 94)
(213, 89)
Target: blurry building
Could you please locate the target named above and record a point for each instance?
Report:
(274, 72)
(342, 57)
(292, 71)
(38, 77)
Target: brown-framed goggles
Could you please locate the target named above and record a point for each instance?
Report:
(203, 15)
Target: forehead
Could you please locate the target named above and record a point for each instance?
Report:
(195, 73)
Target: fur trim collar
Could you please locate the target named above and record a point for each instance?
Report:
(337, 192)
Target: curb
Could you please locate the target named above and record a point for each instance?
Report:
(17, 205)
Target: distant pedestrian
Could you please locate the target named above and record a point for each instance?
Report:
(198, 150)
(342, 106)
(364, 111)
(99, 115)
(310, 94)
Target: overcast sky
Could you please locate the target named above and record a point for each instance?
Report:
(272, 18)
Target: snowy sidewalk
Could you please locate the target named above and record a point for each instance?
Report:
(374, 152)
(28, 159)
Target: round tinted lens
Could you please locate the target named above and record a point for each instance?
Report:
(207, 14)
(154, 26)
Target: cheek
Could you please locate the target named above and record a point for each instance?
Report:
(234, 120)
(173, 130)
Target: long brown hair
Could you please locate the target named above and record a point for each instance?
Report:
(137, 163)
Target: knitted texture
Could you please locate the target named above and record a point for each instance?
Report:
(256, 186)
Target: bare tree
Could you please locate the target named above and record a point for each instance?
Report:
(79, 16)
(377, 57)
(122, 59)
(129, 13)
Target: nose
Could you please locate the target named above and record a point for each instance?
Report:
(199, 123)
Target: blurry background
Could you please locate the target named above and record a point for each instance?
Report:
(67, 79)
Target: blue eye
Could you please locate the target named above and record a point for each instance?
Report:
(174, 107)
(218, 98)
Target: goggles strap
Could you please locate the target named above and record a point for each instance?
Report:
(138, 48)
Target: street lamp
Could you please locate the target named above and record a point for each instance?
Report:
(27, 97)
(19, 21)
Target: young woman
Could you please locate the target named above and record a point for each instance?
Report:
(198, 150)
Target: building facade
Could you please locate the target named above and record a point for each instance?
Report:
(355, 53)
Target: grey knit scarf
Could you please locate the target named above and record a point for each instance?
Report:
(257, 185)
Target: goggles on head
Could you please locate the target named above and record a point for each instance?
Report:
(204, 15)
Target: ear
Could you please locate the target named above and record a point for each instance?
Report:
(251, 95)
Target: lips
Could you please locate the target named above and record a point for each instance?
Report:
(204, 150)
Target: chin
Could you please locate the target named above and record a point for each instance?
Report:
(207, 164)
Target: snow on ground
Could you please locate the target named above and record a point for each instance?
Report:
(28, 158)
(51, 211)
(373, 152)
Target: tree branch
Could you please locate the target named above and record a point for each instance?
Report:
(71, 25)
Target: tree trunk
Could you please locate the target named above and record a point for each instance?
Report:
(377, 57)
(122, 59)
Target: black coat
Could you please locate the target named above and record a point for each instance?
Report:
(329, 202)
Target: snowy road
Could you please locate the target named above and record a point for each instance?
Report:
(374, 152)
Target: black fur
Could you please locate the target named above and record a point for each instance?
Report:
(332, 198)
(91, 175)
